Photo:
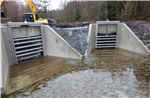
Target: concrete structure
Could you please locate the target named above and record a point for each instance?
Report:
(105, 34)
(126, 39)
(53, 45)
(91, 39)
(25, 40)
(4, 64)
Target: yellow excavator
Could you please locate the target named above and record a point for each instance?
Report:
(33, 16)
(30, 16)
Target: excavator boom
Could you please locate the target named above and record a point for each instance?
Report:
(32, 5)
(2, 2)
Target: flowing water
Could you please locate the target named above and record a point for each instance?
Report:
(114, 73)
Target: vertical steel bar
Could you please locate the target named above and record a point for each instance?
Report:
(96, 32)
(10, 40)
(41, 38)
(13, 46)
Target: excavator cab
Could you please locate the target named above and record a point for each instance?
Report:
(33, 17)
(3, 15)
(30, 17)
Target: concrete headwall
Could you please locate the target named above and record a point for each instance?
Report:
(126, 39)
(6, 44)
(110, 28)
(55, 45)
(25, 31)
(91, 39)
(1, 71)
(4, 65)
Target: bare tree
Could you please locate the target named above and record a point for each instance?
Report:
(17, 12)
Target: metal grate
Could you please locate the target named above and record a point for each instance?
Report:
(106, 41)
(107, 38)
(25, 47)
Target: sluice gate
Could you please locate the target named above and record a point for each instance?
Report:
(25, 41)
(106, 34)
(113, 34)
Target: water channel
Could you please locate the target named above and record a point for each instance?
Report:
(114, 73)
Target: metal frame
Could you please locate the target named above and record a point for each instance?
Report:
(16, 54)
(96, 31)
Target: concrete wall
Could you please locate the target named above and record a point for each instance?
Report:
(91, 39)
(1, 73)
(25, 31)
(126, 39)
(4, 65)
(5, 45)
(55, 45)
(110, 28)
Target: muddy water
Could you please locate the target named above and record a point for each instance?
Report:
(29, 72)
(105, 73)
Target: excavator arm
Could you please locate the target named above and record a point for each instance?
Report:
(1, 2)
(32, 5)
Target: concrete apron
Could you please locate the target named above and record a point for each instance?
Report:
(126, 39)
(53, 45)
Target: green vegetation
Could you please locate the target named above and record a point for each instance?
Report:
(112, 10)
(101, 13)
